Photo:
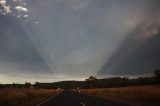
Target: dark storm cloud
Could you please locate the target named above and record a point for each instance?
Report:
(139, 52)
(17, 49)
(134, 56)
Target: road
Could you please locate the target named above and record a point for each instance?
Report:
(69, 98)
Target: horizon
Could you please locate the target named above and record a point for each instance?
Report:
(33, 81)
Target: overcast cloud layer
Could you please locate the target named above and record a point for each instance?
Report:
(50, 40)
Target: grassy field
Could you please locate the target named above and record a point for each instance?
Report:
(143, 95)
(23, 97)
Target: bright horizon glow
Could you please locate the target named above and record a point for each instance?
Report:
(46, 79)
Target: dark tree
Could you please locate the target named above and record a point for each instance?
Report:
(91, 78)
(91, 81)
(27, 85)
(157, 75)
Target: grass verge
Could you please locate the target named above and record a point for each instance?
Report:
(143, 95)
(24, 97)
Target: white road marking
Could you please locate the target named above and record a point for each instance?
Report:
(82, 104)
(47, 100)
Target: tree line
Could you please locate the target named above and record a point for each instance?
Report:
(92, 82)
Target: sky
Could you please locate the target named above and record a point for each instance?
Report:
(55, 40)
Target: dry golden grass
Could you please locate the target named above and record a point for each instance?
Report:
(144, 95)
(23, 97)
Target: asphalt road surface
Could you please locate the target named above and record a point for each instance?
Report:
(69, 98)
